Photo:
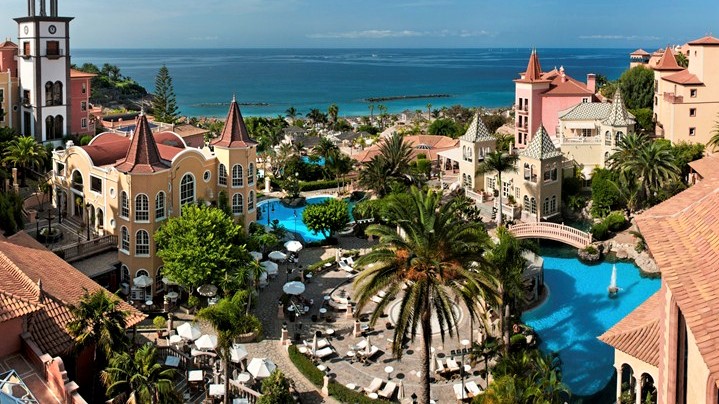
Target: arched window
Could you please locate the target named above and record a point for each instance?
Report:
(48, 94)
(251, 174)
(464, 153)
(608, 138)
(124, 274)
(222, 175)
(237, 205)
(124, 205)
(251, 201)
(533, 173)
(142, 243)
(59, 123)
(57, 93)
(533, 205)
(124, 239)
(159, 284)
(553, 172)
(142, 208)
(237, 180)
(553, 204)
(618, 137)
(464, 179)
(160, 205)
(545, 207)
(49, 127)
(526, 203)
(187, 189)
(527, 171)
(141, 272)
(469, 180)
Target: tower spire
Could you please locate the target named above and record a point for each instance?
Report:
(142, 155)
(235, 133)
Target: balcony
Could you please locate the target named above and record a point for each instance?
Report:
(54, 53)
(674, 99)
(524, 110)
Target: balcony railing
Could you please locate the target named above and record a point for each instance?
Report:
(583, 139)
(54, 53)
(522, 110)
(674, 99)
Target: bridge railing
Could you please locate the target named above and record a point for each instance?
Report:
(555, 230)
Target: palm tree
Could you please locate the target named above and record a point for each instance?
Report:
(527, 376)
(430, 252)
(325, 148)
(100, 324)
(139, 378)
(714, 141)
(382, 114)
(501, 163)
(504, 141)
(429, 111)
(628, 149)
(316, 116)
(339, 164)
(227, 318)
(24, 152)
(333, 111)
(371, 113)
(291, 113)
(392, 164)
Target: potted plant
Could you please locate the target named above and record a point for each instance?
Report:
(160, 323)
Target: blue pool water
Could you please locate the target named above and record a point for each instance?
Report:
(291, 218)
(320, 161)
(578, 310)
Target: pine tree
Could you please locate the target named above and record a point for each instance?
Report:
(164, 104)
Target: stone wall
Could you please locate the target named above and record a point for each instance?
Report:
(626, 251)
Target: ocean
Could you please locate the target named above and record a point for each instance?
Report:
(269, 81)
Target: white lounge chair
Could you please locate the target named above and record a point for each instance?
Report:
(388, 390)
(459, 392)
(440, 366)
(472, 388)
(374, 386)
(321, 343)
(345, 266)
(452, 365)
(324, 352)
(376, 299)
(360, 345)
(372, 352)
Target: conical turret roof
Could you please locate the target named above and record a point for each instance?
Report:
(235, 133)
(534, 70)
(668, 61)
(476, 132)
(541, 146)
(618, 115)
(142, 155)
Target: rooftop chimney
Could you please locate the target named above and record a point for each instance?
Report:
(592, 82)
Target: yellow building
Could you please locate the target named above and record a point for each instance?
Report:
(686, 101)
(129, 186)
(669, 346)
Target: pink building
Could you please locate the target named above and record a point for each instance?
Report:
(540, 96)
(81, 120)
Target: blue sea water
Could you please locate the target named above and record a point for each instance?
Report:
(578, 310)
(205, 79)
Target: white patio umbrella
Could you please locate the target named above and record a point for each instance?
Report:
(314, 344)
(277, 256)
(142, 281)
(189, 331)
(293, 246)
(263, 277)
(206, 342)
(207, 290)
(256, 255)
(238, 352)
(400, 392)
(368, 348)
(270, 267)
(260, 368)
(433, 363)
(168, 282)
(294, 288)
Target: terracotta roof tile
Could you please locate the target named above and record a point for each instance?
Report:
(107, 148)
(637, 334)
(668, 61)
(429, 145)
(8, 44)
(13, 307)
(707, 166)
(533, 74)
(34, 274)
(235, 133)
(683, 236)
(640, 52)
(77, 74)
(566, 85)
(683, 77)
(707, 40)
(142, 155)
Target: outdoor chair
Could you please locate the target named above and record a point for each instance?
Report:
(324, 352)
(388, 390)
(374, 386)
(452, 365)
(472, 388)
(459, 392)
(440, 366)
(345, 266)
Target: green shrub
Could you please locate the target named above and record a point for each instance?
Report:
(315, 185)
(159, 322)
(600, 231)
(305, 366)
(345, 395)
(590, 249)
(605, 195)
(193, 301)
(639, 247)
(616, 221)
(320, 264)
(250, 323)
(85, 140)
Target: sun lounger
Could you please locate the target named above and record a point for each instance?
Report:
(472, 388)
(388, 390)
(440, 366)
(321, 343)
(350, 261)
(345, 266)
(372, 352)
(324, 352)
(360, 345)
(452, 365)
(459, 392)
(376, 299)
(374, 386)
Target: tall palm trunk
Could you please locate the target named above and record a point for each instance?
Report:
(424, 395)
(501, 187)
(226, 397)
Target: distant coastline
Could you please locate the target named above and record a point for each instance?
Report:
(406, 97)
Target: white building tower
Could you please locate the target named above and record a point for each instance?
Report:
(44, 71)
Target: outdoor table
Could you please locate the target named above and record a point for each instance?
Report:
(323, 311)
(351, 354)
(327, 298)
(351, 386)
(243, 377)
(306, 309)
(172, 361)
(148, 303)
(173, 296)
(330, 332)
(373, 396)
(322, 368)
(302, 350)
(195, 375)
(388, 370)
(217, 389)
(291, 308)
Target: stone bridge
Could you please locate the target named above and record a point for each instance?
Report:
(552, 231)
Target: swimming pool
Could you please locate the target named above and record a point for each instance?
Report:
(578, 310)
(291, 218)
(319, 162)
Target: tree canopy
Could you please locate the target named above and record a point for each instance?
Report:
(164, 103)
(327, 217)
(637, 85)
(201, 246)
(445, 127)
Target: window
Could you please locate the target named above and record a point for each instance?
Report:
(124, 274)
(525, 206)
(95, 184)
(222, 175)
(159, 284)
(608, 138)
(692, 131)
(534, 173)
(251, 174)
(160, 206)
(59, 169)
(464, 179)
(124, 240)
(206, 176)
(656, 100)
(506, 189)
(585, 100)
(237, 180)
(656, 86)
(142, 208)
(84, 88)
(527, 171)
(142, 243)
(83, 123)
(2, 113)
(533, 205)
(48, 94)
(693, 93)
(53, 48)
(553, 204)
(586, 132)
(83, 106)
(26, 48)
(187, 189)
(618, 137)
(124, 205)
(57, 93)
(554, 173)
(491, 183)
(2, 95)
(237, 206)
(251, 201)
(692, 112)
(516, 193)
(545, 207)
(547, 175)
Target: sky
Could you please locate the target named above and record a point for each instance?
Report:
(379, 23)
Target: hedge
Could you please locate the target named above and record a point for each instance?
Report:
(315, 185)
(316, 377)
(318, 265)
